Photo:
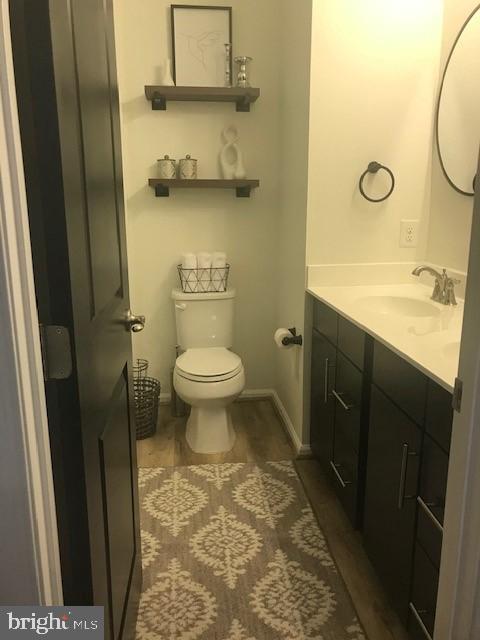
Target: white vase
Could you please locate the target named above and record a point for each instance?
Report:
(231, 159)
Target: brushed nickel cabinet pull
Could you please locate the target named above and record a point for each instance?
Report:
(420, 621)
(342, 402)
(343, 482)
(403, 475)
(429, 513)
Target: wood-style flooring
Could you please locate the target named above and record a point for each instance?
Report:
(262, 436)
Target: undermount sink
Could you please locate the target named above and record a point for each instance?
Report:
(398, 306)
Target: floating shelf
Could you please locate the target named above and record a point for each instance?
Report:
(242, 97)
(242, 187)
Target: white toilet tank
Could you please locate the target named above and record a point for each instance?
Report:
(204, 319)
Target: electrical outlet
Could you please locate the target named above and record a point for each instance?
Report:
(408, 233)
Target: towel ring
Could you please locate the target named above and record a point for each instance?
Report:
(374, 167)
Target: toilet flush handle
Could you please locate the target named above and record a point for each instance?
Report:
(181, 306)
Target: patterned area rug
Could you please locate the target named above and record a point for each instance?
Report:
(234, 552)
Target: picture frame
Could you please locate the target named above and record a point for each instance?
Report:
(199, 35)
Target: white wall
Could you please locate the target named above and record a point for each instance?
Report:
(296, 21)
(373, 82)
(451, 212)
(160, 229)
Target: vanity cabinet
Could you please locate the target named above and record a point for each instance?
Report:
(381, 430)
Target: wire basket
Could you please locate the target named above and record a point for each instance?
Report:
(147, 395)
(140, 368)
(204, 280)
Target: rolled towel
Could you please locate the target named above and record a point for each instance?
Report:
(204, 265)
(219, 259)
(189, 261)
(204, 260)
(189, 278)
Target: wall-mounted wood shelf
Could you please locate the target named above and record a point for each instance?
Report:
(242, 187)
(242, 97)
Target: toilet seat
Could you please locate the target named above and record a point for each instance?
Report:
(210, 364)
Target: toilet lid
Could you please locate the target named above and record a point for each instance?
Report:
(208, 362)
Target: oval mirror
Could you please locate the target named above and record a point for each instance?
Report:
(458, 109)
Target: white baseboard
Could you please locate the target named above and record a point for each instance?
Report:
(300, 448)
(257, 394)
(165, 398)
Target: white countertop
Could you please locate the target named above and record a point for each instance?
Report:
(429, 341)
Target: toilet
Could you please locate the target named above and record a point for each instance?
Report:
(207, 375)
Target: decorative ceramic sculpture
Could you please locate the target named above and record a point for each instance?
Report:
(231, 161)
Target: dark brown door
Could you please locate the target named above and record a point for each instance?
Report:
(64, 56)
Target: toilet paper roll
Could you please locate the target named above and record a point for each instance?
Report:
(280, 334)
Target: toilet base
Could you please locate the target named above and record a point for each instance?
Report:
(210, 430)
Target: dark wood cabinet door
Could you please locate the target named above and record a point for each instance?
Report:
(325, 320)
(439, 415)
(322, 414)
(348, 397)
(68, 103)
(424, 593)
(400, 381)
(390, 500)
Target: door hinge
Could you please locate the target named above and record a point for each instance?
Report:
(457, 395)
(56, 352)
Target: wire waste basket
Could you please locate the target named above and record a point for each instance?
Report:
(206, 280)
(147, 396)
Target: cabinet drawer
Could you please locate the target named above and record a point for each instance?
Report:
(404, 384)
(325, 320)
(429, 535)
(424, 594)
(348, 399)
(344, 468)
(439, 415)
(351, 341)
(433, 487)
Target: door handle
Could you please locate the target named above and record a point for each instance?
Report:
(403, 475)
(339, 398)
(134, 323)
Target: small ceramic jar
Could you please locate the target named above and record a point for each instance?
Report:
(187, 168)
(167, 168)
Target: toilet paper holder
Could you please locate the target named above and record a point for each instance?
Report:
(295, 339)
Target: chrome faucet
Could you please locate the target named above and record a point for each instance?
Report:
(444, 289)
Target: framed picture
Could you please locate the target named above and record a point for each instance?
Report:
(199, 35)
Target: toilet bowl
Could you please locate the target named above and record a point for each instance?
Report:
(209, 379)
